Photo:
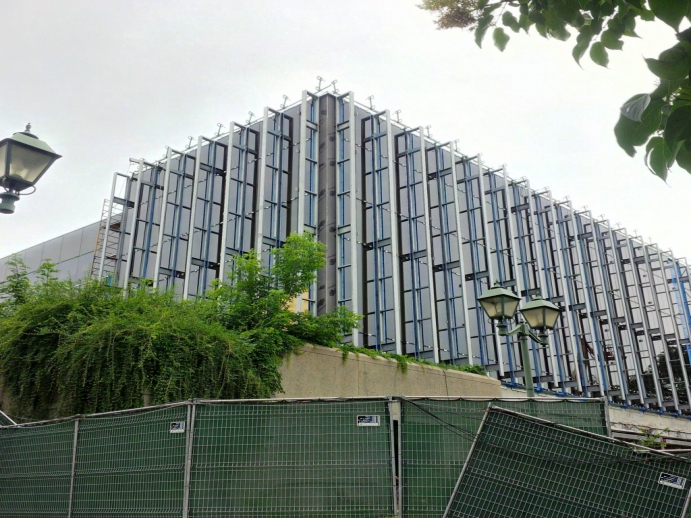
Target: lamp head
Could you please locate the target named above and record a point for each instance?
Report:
(540, 314)
(24, 158)
(499, 303)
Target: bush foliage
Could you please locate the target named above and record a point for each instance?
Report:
(82, 347)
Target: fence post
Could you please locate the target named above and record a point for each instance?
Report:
(399, 438)
(394, 447)
(607, 421)
(189, 442)
(686, 505)
(74, 466)
(465, 463)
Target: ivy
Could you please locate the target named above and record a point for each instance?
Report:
(403, 361)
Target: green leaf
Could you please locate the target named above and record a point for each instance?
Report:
(560, 34)
(634, 109)
(665, 88)
(541, 30)
(579, 21)
(634, 3)
(630, 133)
(684, 156)
(645, 14)
(678, 126)
(616, 25)
(509, 20)
(537, 17)
(596, 26)
(655, 157)
(579, 50)
(500, 38)
(671, 12)
(606, 8)
(671, 155)
(567, 10)
(481, 4)
(611, 40)
(683, 96)
(659, 157)
(630, 25)
(673, 63)
(482, 25)
(552, 21)
(492, 7)
(524, 22)
(585, 34)
(598, 53)
(685, 35)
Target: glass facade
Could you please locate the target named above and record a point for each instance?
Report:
(415, 231)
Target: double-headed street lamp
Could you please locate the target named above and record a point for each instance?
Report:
(23, 160)
(501, 304)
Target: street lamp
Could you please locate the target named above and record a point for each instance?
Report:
(23, 160)
(501, 304)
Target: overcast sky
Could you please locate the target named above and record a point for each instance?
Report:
(103, 81)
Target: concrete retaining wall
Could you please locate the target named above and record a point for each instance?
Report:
(323, 372)
(635, 420)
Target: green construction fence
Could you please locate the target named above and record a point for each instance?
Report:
(436, 435)
(523, 466)
(372, 457)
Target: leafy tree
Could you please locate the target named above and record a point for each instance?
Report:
(16, 287)
(660, 120)
(257, 299)
(68, 348)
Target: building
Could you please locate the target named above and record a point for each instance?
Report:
(415, 230)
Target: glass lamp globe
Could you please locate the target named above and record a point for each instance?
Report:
(540, 313)
(24, 158)
(499, 303)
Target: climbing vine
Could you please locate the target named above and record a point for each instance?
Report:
(403, 360)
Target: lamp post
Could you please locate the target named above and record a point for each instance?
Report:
(501, 304)
(23, 160)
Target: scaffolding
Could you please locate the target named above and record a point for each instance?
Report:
(108, 240)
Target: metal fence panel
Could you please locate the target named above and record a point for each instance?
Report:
(520, 466)
(436, 436)
(300, 459)
(131, 465)
(35, 470)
